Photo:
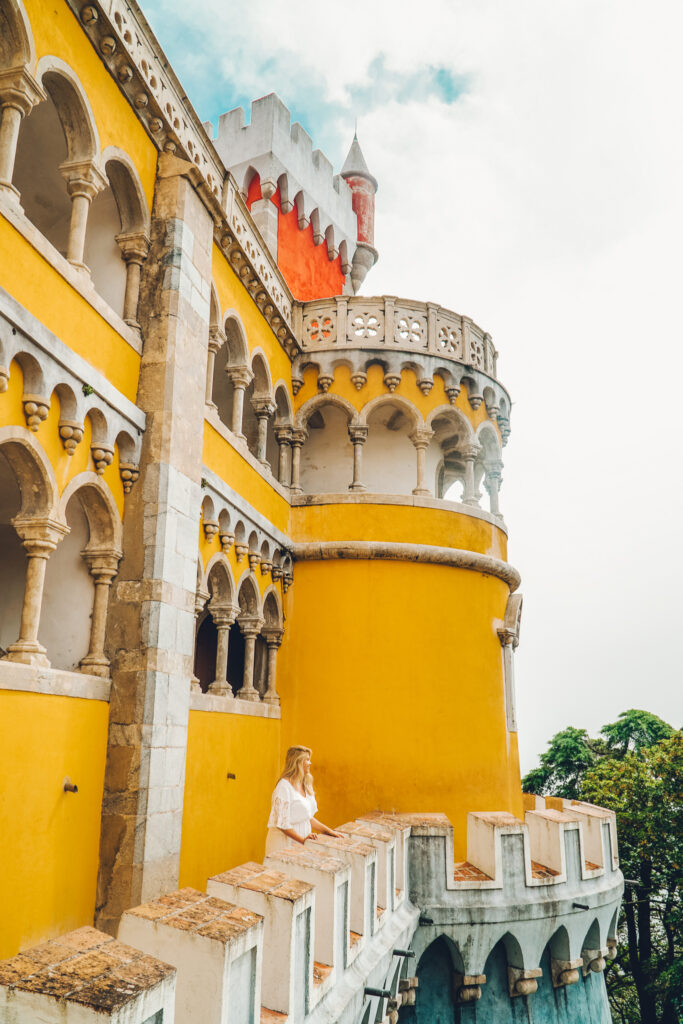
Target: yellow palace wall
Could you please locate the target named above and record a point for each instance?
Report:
(50, 839)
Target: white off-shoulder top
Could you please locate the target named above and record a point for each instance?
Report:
(288, 809)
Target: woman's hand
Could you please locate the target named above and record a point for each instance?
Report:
(311, 835)
(336, 835)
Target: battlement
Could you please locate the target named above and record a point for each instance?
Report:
(282, 153)
(329, 931)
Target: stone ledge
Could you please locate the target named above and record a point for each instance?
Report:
(232, 706)
(53, 681)
(411, 500)
(241, 448)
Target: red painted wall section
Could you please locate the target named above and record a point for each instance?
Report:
(305, 265)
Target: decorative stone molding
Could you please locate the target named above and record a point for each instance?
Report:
(103, 564)
(594, 960)
(227, 539)
(134, 248)
(210, 527)
(456, 558)
(359, 379)
(254, 560)
(4, 379)
(19, 93)
(240, 551)
(83, 181)
(71, 433)
(392, 381)
(102, 456)
(36, 410)
(523, 981)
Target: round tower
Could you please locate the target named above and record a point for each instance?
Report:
(363, 188)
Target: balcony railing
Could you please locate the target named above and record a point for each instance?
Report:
(398, 325)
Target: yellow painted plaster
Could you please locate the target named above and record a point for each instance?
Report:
(208, 549)
(229, 465)
(41, 289)
(405, 524)
(50, 839)
(408, 658)
(224, 820)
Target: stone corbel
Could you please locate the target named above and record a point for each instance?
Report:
(227, 539)
(392, 381)
(102, 456)
(210, 527)
(359, 379)
(36, 409)
(594, 960)
(254, 560)
(523, 981)
(425, 384)
(452, 392)
(565, 972)
(71, 433)
(4, 379)
(612, 949)
(130, 474)
(240, 551)
(467, 987)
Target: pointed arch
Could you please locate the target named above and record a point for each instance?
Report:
(248, 596)
(236, 340)
(272, 608)
(17, 48)
(220, 582)
(100, 510)
(126, 186)
(33, 472)
(73, 107)
(262, 383)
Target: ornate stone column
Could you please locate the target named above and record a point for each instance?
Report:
(492, 482)
(283, 436)
(251, 627)
(223, 619)
(19, 93)
(134, 248)
(470, 453)
(421, 437)
(273, 637)
(263, 410)
(216, 340)
(103, 566)
(40, 537)
(83, 182)
(299, 435)
(240, 377)
(509, 641)
(201, 597)
(358, 435)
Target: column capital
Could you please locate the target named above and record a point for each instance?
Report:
(299, 435)
(273, 635)
(283, 435)
(216, 338)
(134, 246)
(494, 468)
(18, 88)
(358, 433)
(263, 407)
(508, 637)
(240, 376)
(83, 178)
(223, 615)
(251, 625)
(421, 437)
(40, 535)
(103, 563)
(470, 451)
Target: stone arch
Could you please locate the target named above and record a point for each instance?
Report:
(258, 405)
(126, 186)
(231, 373)
(99, 425)
(32, 373)
(100, 510)
(272, 608)
(592, 938)
(283, 404)
(73, 106)
(214, 308)
(389, 456)
(68, 402)
(236, 339)
(32, 470)
(453, 432)
(263, 384)
(326, 463)
(17, 48)
(220, 582)
(248, 596)
(435, 971)
(559, 944)
(218, 589)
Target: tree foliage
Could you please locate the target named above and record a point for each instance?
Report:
(635, 767)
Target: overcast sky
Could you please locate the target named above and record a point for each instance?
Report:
(530, 165)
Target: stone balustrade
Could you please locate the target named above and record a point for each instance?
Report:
(395, 325)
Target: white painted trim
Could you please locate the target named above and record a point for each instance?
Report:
(53, 682)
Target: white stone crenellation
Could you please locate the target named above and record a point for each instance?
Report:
(334, 930)
(282, 154)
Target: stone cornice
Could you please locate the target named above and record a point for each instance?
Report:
(455, 558)
(127, 46)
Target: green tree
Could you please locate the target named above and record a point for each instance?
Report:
(635, 768)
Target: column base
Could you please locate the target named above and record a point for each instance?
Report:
(272, 699)
(357, 487)
(11, 195)
(422, 492)
(266, 465)
(194, 685)
(28, 653)
(473, 502)
(95, 667)
(248, 695)
(217, 689)
(80, 267)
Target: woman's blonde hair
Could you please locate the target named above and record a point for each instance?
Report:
(294, 770)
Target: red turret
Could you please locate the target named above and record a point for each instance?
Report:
(363, 188)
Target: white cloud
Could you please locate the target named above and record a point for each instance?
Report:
(546, 204)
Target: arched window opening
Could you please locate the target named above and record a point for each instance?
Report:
(68, 596)
(389, 458)
(236, 658)
(12, 558)
(231, 376)
(205, 652)
(41, 150)
(102, 254)
(223, 391)
(327, 453)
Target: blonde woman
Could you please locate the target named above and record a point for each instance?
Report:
(294, 805)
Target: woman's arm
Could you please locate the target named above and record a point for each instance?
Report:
(291, 834)
(319, 827)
